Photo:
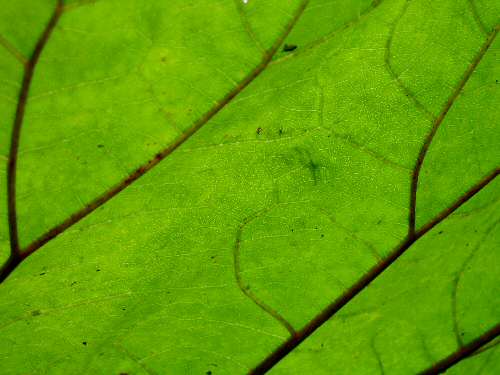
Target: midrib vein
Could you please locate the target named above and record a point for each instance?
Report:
(140, 171)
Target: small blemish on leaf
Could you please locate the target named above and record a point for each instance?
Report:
(43, 273)
(84, 343)
(289, 47)
(36, 313)
(259, 131)
(100, 146)
(209, 372)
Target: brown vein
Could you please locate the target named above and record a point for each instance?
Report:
(29, 69)
(13, 51)
(246, 290)
(139, 172)
(388, 64)
(437, 123)
(286, 347)
(463, 352)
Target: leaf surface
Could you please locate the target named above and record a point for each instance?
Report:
(221, 187)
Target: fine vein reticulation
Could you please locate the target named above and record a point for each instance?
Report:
(17, 255)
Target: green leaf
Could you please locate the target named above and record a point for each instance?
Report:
(224, 187)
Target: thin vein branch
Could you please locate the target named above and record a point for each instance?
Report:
(244, 289)
(13, 51)
(15, 252)
(318, 42)
(439, 120)
(140, 171)
(477, 18)
(456, 282)
(388, 65)
(247, 26)
(286, 347)
(463, 352)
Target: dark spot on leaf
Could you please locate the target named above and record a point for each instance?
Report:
(84, 343)
(74, 282)
(209, 372)
(322, 235)
(100, 146)
(259, 131)
(440, 232)
(98, 270)
(280, 132)
(36, 312)
(43, 273)
(289, 47)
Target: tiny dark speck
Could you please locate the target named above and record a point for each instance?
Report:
(322, 235)
(289, 47)
(84, 343)
(280, 131)
(100, 146)
(209, 372)
(97, 270)
(35, 312)
(440, 232)
(259, 131)
(496, 80)
(43, 273)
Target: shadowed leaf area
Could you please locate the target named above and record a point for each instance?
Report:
(249, 187)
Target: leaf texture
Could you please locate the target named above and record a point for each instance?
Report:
(229, 187)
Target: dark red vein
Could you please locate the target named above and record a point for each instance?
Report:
(289, 345)
(245, 289)
(29, 69)
(463, 352)
(106, 196)
(435, 126)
